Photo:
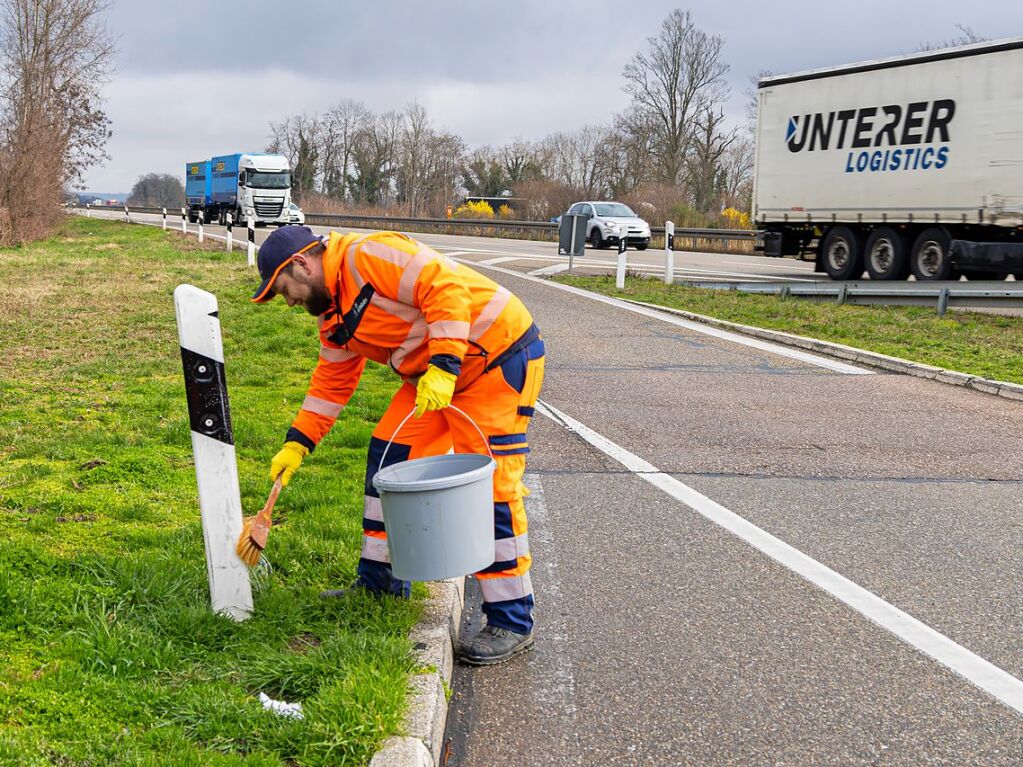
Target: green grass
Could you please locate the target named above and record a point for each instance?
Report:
(109, 653)
(985, 345)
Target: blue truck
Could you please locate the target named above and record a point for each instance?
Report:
(243, 185)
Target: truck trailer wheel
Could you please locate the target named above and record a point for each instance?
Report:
(886, 255)
(842, 256)
(929, 259)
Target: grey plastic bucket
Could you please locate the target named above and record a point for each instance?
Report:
(439, 515)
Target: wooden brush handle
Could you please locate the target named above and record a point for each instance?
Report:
(271, 499)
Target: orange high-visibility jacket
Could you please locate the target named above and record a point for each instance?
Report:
(402, 304)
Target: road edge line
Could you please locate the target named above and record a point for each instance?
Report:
(967, 665)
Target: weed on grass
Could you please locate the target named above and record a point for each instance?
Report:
(986, 345)
(109, 653)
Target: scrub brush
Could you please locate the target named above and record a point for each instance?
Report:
(255, 529)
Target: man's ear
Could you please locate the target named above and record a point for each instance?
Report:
(302, 262)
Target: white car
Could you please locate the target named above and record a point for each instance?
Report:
(609, 222)
(295, 214)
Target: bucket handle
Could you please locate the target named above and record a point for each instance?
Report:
(412, 412)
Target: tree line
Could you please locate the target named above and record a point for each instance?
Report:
(671, 152)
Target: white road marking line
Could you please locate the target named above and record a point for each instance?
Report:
(553, 269)
(557, 689)
(501, 260)
(968, 665)
(782, 351)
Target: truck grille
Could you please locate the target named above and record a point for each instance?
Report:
(269, 209)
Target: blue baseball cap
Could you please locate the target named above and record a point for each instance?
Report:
(276, 252)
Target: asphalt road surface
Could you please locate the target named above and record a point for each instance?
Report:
(743, 557)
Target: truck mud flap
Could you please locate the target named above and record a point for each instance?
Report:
(1002, 257)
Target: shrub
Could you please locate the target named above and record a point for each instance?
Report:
(505, 212)
(479, 209)
(735, 219)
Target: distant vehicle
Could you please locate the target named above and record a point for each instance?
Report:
(295, 214)
(908, 165)
(609, 222)
(256, 186)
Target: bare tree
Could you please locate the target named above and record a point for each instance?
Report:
(339, 127)
(297, 138)
(157, 190)
(710, 142)
(681, 74)
(966, 36)
(55, 55)
(737, 174)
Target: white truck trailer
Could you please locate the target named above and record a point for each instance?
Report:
(909, 165)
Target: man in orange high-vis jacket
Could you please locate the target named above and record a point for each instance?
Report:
(456, 338)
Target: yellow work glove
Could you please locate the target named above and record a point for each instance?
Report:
(287, 461)
(435, 389)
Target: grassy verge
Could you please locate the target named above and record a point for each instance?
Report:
(109, 653)
(980, 344)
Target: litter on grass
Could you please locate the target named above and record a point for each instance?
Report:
(293, 710)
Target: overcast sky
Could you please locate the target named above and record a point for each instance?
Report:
(195, 79)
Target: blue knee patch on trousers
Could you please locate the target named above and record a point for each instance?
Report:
(513, 614)
(376, 576)
(502, 521)
(396, 454)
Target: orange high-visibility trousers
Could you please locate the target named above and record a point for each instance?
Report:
(501, 403)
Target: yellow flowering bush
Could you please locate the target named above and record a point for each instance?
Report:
(735, 219)
(480, 209)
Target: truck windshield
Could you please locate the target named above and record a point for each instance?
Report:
(260, 180)
(614, 209)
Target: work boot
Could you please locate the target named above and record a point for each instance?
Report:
(493, 644)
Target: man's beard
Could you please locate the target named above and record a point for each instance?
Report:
(319, 301)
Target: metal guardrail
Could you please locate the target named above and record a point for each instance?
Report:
(940, 295)
(547, 230)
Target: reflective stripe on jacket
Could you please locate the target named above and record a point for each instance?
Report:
(422, 307)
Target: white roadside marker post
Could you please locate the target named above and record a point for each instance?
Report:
(230, 240)
(252, 241)
(184, 228)
(216, 469)
(164, 219)
(620, 275)
(88, 210)
(669, 253)
(127, 218)
(200, 219)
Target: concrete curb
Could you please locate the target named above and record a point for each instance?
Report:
(850, 354)
(434, 639)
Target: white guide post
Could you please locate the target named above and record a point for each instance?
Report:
(669, 252)
(252, 241)
(230, 236)
(184, 226)
(200, 220)
(620, 274)
(216, 471)
(164, 218)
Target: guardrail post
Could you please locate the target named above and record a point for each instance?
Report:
(620, 274)
(252, 241)
(200, 218)
(230, 236)
(127, 218)
(669, 253)
(842, 293)
(165, 218)
(942, 301)
(184, 227)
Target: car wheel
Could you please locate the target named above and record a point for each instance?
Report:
(643, 245)
(885, 255)
(930, 259)
(843, 257)
(596, 240)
